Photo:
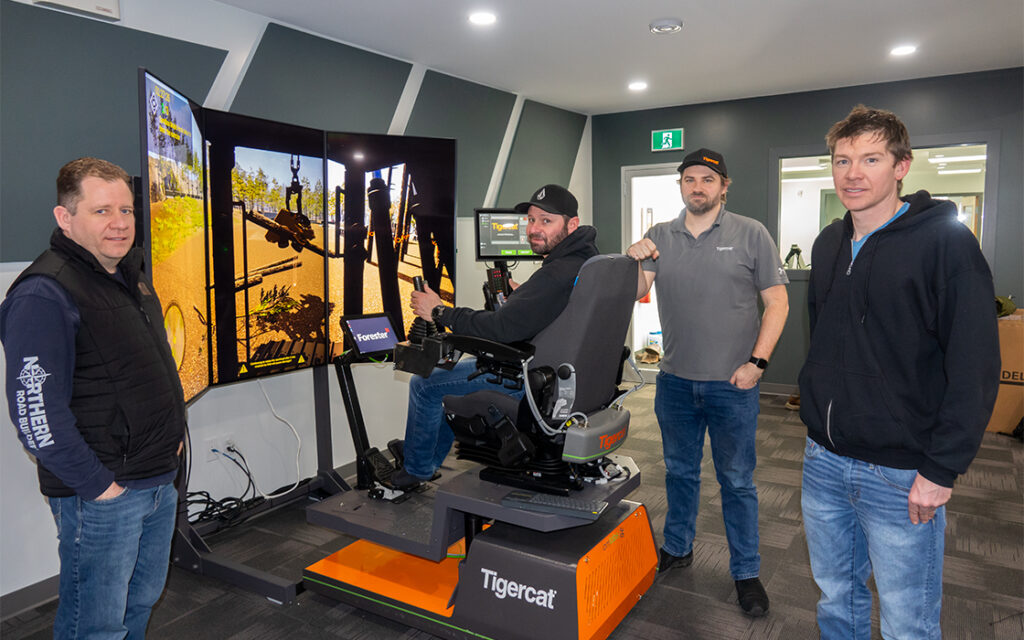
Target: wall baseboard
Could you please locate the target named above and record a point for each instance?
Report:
(30, 597)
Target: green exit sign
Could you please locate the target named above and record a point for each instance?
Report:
(667, 140)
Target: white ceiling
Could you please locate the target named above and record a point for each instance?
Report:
(581, 54)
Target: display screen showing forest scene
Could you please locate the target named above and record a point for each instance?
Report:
(257, 262)
(176, 230)
(392, 212)
(278, 209)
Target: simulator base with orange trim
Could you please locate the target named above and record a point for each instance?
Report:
(513, 583)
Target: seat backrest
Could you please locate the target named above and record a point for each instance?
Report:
(590, 332)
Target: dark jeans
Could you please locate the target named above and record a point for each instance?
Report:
(428, 437)
(685, 410)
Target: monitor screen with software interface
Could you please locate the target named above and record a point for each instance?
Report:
(501, 235)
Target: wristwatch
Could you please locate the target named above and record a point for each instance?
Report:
(760, 363)
(435, 313)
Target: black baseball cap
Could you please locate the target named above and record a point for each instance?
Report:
(553, 199)
(710, 159)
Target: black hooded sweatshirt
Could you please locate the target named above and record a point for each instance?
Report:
(537, 302)
(903, 366)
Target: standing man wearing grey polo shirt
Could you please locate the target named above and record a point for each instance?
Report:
(710, 265)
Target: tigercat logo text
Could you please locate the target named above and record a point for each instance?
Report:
(609, 441)
(504, 588)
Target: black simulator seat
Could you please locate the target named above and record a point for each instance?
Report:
(570, 417)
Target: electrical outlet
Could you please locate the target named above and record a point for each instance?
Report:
(220, 443)
(209, 444)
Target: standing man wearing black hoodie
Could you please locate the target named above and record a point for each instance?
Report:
(898, 386)
(554, 232)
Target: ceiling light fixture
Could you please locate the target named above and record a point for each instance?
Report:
(941, 159)
(949, 172)
(483, 18)
(637, 85)
(807, 167)
(903, 50)
(664, 26)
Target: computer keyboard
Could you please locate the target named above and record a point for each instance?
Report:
(561, 505)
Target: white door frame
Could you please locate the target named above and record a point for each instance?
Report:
(626, 175)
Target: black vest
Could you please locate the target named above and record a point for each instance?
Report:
(126, 396)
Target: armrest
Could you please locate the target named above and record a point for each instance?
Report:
(491, 350)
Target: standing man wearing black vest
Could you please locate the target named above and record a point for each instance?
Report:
(93, 390)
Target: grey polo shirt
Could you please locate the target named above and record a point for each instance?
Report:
(707, 290)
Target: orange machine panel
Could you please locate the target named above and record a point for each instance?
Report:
(613, 575)
(407, 578)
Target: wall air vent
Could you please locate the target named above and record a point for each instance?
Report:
(109, 10)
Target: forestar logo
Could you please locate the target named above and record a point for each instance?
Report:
(380, 335)
(30, 405)
(504, 588)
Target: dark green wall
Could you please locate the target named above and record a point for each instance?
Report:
(70, 89)
(298, 78)
(476, 117)
(745, 132)
(543, 151)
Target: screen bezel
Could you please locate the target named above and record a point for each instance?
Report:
(476, 236)
(350, 339)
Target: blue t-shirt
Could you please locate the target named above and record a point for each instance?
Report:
(855, 245)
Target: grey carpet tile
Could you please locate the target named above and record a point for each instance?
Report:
(983, 595)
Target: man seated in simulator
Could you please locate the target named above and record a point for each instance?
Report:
(554, 232)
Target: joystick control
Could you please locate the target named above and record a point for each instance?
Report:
(420, 328)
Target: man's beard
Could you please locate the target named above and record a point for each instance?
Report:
(549, 247)
(700, 209)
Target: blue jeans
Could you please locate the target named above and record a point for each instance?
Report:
(428, 438)
(114, 556)
(685, 410)
(856, 521)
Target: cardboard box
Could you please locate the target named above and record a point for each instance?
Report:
(1010, 402)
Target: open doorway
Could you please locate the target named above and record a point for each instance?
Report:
(650, 194)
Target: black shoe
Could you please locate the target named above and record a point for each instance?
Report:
(752, 597)
(404, 481)
(668, 561)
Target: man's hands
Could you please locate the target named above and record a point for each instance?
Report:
(423, 302)
(643, 250)
(746, 376)
(925, 498)
(112, 491)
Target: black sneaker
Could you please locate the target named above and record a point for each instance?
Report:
(668, 561)
(752, 596)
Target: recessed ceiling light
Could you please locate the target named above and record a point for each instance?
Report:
(903, 50)
(637, 85)
(941, 159)
(806, 167)
(358, 155)
(950, 172)
(483, 18)
(663, 26)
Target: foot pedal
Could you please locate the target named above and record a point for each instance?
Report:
(381, 467)
(397, 449)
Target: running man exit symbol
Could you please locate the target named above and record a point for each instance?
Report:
(667, 140)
